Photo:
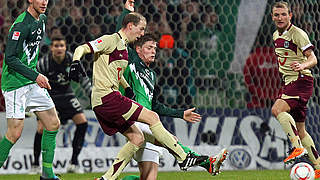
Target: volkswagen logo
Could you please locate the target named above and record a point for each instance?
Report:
(240, 158)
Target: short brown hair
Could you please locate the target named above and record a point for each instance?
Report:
(281, 4)
(133, 17)
(143, 39)
(57, 38)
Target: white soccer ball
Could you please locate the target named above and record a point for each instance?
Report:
(302, 171)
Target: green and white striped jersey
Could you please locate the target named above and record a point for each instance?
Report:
(22, 51)
(142, 80)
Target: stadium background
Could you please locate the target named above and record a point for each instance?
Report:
(222, 62)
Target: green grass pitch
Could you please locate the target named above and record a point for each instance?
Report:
(192, 175)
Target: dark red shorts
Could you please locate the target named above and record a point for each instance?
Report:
(114, 115)
(303, 88)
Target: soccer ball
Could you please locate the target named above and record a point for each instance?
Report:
(302, 171)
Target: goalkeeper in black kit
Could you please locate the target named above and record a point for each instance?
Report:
(55, 65)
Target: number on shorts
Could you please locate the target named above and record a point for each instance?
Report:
(75, 103)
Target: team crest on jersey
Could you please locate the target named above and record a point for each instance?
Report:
(16, 35)
(98, 41)
(286, 44)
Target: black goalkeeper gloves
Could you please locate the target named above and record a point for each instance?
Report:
(129, 93)
(76, 70)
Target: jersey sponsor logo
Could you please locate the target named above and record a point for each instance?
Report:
(16, 35)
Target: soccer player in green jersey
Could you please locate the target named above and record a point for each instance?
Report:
(24, 88)
(295, 58)
(142, 79)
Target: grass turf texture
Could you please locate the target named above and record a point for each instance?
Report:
(192, 175)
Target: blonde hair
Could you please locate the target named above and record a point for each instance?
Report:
(281, 4)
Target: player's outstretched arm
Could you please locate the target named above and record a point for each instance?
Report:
(190, 116)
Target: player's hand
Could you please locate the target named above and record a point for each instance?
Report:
(43, 82)
(297, 66)
(76, 70)
(129, 93)
(129, 4)
(190, 116)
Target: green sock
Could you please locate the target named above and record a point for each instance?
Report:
(187, 150)
(131, 177)
(48, 144)
(5, 146)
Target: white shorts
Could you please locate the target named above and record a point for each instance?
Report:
(149, 151)
(28, 98)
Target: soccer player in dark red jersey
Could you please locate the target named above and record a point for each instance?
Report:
(295, 58)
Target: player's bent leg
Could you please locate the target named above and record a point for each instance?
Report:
(288, 124)
(161, 134)
(135, 137)
(51, 124)
(12, 135)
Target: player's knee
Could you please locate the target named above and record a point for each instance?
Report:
(137, 139)
(154, 118)
(54, 124)
(275, 111)
(13, 135)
